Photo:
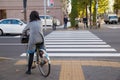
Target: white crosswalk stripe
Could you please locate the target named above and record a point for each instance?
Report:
(77, 44)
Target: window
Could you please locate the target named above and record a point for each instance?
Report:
(15, 22)
(47, 17)
(42, 17)
(112, 17)
(5, 22)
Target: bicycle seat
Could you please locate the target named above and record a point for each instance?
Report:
(38, 45)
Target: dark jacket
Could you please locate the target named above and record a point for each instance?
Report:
(65, 20)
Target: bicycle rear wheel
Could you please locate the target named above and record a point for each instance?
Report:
(44, 65)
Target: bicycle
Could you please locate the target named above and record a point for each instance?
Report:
(43, 61)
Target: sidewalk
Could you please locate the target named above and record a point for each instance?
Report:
(12, 69)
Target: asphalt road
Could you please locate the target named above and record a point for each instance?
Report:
(110, 34)
(11, 47)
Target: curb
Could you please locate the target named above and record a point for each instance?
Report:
(5, 58)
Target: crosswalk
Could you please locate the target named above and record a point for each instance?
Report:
(77, 44)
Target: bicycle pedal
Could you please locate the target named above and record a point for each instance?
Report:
(43, 62)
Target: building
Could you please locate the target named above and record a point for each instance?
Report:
(14, 8)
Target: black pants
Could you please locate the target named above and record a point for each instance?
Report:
(54, 26)
(30, 61)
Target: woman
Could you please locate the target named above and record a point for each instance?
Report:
(35, 36)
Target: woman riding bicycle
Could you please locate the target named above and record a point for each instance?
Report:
(35, 36)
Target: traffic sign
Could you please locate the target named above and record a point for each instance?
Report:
(50, 3)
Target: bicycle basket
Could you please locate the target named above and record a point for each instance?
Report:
(24, 39)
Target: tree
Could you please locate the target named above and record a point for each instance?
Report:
(116, 5)
(74, 12)
(80, 8)
(102, 6)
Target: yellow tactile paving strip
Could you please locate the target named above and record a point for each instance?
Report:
(72, 69)
(71, 72)
(5, 58)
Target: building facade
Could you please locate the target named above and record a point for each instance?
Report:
(14, 9)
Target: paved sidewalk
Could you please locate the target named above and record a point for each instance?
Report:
(12, 69)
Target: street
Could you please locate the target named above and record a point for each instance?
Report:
(11, 47)
(75, 55)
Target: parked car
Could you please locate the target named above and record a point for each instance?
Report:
(11, 26)
(48, 20)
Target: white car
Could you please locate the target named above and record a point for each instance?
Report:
(11, 26)
(48, 20)
(110, 18)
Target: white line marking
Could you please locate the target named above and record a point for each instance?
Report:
(59, 43)
(77, 49)
(81, 54)
(86, 55)
(23, 54)
(82, 36)
(113, 27)
(12, 44)
(77, 46)
(71, 40)
(9, 36)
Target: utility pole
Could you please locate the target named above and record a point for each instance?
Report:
(25, 12)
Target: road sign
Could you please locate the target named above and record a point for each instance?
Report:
(50, 3)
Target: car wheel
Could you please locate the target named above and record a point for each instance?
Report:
(1, 32)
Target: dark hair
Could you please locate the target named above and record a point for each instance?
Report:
(34, 16)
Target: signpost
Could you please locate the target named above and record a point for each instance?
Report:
(45, 12)
(50, 4)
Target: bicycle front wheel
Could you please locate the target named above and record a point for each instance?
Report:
(44, 65)
(45, 69)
